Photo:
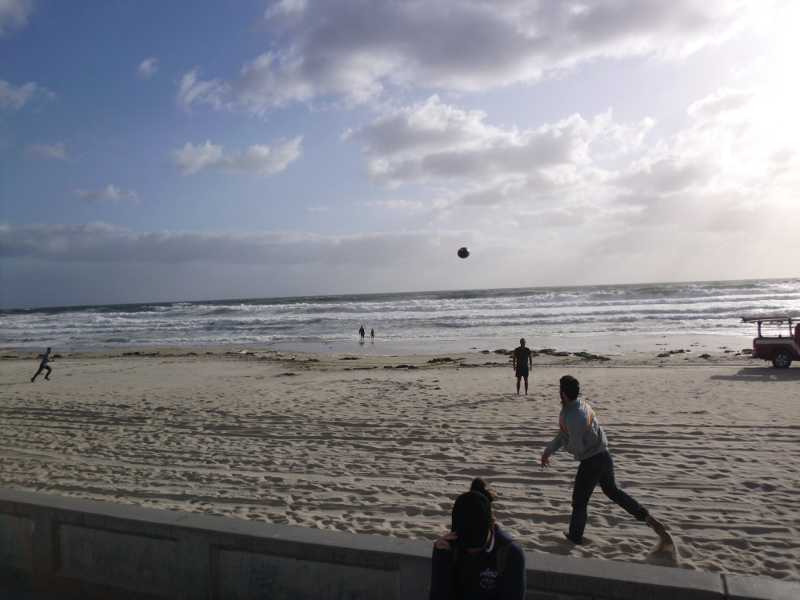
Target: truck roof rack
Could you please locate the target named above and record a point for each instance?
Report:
(779, 318)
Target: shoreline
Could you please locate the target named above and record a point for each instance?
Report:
(354, 360)
(610, 346)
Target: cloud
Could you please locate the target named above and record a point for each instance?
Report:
(56, 151)
(584, 182)
(286, 7)
(399, 204)
(14, 14)
(432, 140)
(738, 153)
(430, 126)
(720, 102)
(466, 161)
(147, 68)
(101, 242)
(688, 203)
(110, 193)
(257, 159)
(192, 159)
(658, 176)
(99, 263)
(15, 97)
(196, 91)
(340, 50)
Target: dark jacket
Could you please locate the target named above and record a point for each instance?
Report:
(458, 575)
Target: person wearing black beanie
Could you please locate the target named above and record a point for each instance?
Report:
(476, 560)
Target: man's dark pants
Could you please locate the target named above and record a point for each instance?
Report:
(598, 469)
(42, 368)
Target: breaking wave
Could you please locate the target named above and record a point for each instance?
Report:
(651, 309)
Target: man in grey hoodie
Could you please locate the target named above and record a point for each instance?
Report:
(580, 433)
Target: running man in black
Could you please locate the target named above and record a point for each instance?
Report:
(580, 433)
(43, 366)
(522, 360)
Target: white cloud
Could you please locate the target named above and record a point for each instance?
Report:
(656, 175)
(110, 193)
(720, 102)
(56, 151)
(147, 68)
(15, 97)
(258, 159)
(101, 242)
(286, 7)
(340, 50)
(433, 140)
(96, 263)
(738, 153)
(429, 127)
(464, 160)
(595, 185)
(196, 91)
(192, 159)
(399, 205)
(14, 14)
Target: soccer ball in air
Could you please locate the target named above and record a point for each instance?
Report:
(463, 252)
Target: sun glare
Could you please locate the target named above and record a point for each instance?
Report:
(780, 91)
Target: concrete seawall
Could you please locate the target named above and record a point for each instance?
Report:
(56, 547)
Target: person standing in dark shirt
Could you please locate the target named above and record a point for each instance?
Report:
(361, 332)
(522, 359)
(45, 358)
(476, 560)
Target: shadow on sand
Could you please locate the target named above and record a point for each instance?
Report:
(761, 374)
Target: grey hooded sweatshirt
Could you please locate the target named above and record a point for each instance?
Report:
(580, 432)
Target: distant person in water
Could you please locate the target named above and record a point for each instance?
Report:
(581, 434)
(476, 560)
(45, 358)
(361, 332)
(372, 334)
(523, 362)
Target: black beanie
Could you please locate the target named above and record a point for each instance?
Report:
(471, 519)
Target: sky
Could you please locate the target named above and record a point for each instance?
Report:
(160, 151)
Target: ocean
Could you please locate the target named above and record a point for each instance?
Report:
(595, 318)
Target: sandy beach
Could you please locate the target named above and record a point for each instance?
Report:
(382, 445)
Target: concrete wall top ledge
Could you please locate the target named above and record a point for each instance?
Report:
(742, 587)
(590, 576)
(87, 511)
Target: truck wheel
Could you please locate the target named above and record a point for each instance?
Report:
(782, 360)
